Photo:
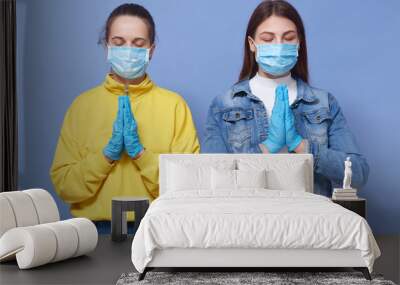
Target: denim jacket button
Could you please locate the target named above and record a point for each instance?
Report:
(237, 115)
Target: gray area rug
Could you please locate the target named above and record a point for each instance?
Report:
(232, 278)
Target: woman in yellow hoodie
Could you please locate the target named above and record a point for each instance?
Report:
(112, 134)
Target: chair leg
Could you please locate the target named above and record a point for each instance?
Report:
(143, 274)
(364, 271)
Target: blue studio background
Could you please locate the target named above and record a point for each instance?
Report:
(353, 53)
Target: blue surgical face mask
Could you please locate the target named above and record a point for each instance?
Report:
(128, 62)
(277, 59)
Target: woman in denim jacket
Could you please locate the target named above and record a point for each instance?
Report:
(273, 108)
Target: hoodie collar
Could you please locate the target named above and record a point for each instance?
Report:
(118, 88)
(304, 92)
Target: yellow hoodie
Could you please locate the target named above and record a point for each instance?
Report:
(81, 174)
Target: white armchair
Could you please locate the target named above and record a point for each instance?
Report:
(31, 231)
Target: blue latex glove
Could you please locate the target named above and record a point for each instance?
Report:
(115, 146)
(276, 129)
(293, 139)
(131, 138)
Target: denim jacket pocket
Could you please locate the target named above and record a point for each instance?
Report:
(317, 123)
(238, 124)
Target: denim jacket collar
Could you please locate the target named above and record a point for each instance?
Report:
(304, 92)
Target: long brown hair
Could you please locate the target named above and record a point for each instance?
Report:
(263, 11)
(129, 9)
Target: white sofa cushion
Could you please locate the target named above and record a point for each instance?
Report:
(26, 208)
(7, 218)
(40, 244)
(67, 240)
(45, 206)
(24, 211)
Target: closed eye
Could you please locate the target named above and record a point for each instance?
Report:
(118, 41)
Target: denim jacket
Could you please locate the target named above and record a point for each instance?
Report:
(237, 122)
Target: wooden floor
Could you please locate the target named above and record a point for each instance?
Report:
(110, 260)
(389, 262)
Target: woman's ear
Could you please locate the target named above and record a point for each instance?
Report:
(152, 48)
(105, 46)
(252, 45)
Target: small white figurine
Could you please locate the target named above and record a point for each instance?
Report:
(347, 174)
